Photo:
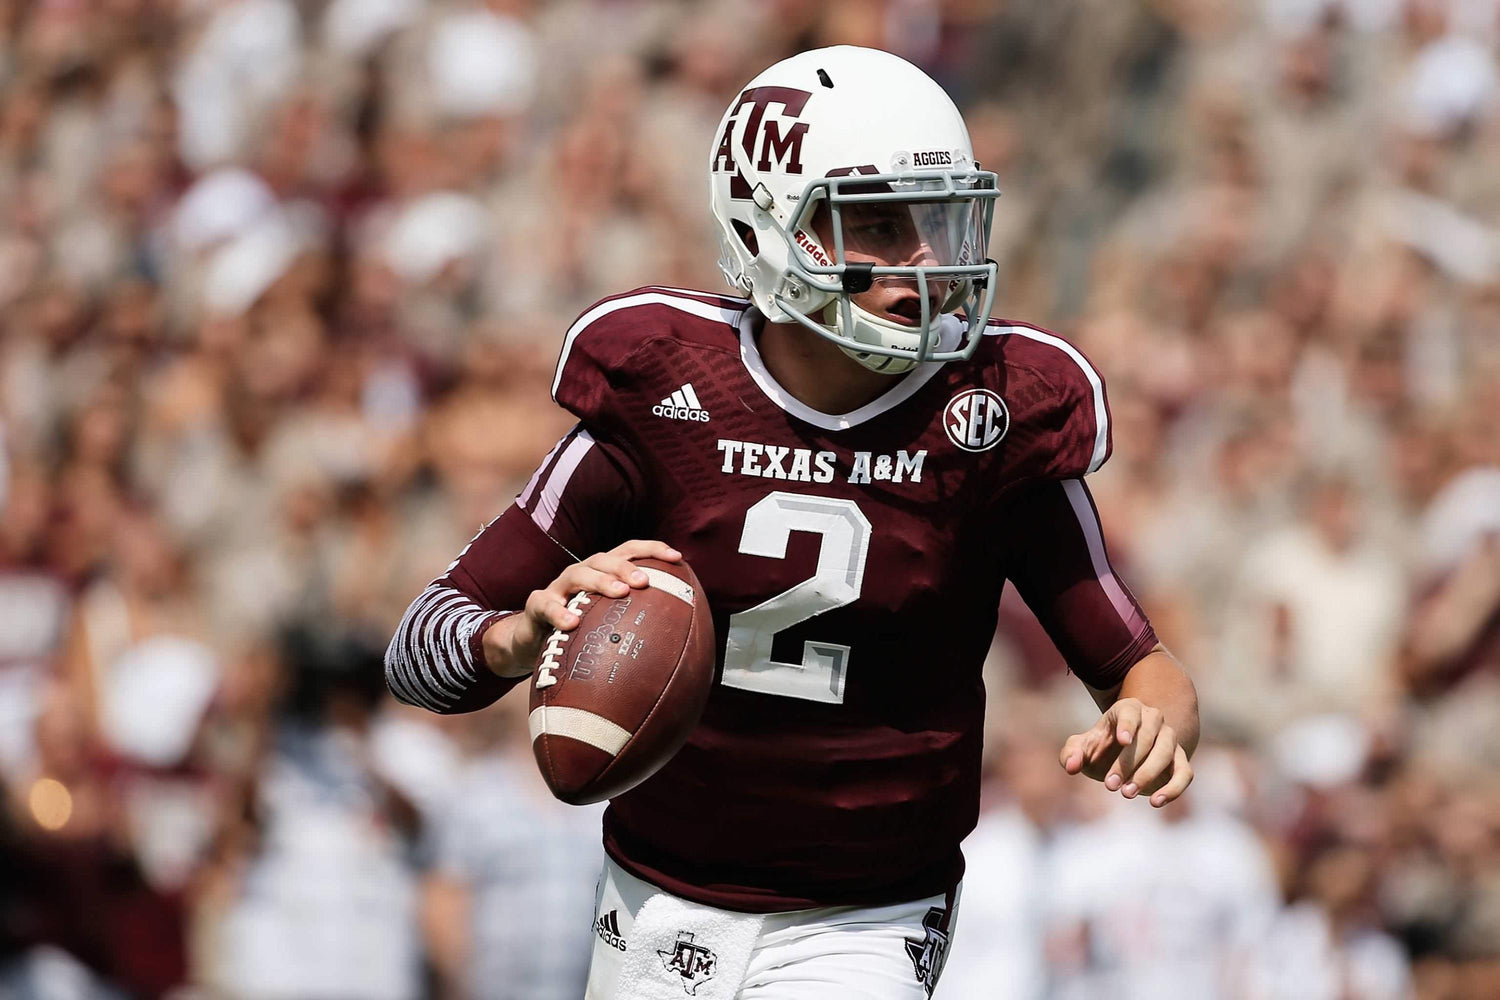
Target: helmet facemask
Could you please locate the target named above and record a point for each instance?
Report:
(913, 241)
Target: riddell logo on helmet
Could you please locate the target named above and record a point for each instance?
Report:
(763, 135)
(814, 251)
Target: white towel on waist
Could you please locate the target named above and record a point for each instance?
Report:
(678, 948)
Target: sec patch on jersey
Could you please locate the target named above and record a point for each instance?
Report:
(615, 698)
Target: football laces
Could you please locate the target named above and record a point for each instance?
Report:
(545, 676)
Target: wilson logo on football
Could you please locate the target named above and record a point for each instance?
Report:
(682, 405)
(976, 420)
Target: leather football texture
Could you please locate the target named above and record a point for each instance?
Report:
(615, 698)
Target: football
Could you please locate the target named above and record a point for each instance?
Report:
(614, 699)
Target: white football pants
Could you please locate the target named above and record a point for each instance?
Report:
(681, 949)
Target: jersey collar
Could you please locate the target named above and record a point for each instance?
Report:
(906, 385)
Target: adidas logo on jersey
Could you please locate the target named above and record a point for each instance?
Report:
(682, 405)
(608, 929)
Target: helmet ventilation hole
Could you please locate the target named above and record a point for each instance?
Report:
(823, 78)
(747, 236)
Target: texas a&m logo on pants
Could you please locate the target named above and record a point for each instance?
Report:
(976, 420)
(927, 955)
(693, 962)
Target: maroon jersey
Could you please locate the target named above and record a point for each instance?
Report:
(854, 565)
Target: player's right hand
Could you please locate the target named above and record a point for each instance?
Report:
(513, 645)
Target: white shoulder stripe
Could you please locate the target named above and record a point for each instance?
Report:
(700, 293)
(1078, 498)
(692, 306)
(1101, 413)
(549, 498)
(536, 477)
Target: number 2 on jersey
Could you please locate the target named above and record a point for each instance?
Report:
(838, 580)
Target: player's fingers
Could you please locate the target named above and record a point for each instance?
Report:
(619, 567)
(1120, 722)
(1100, 749)
(646, 548)
(1142, 744)
(1155, 769)
(548, 611)
(1073, 756)
(1127, 719)
(1088, 753)
(1182, 776)
(603, 574)
(1094, 738)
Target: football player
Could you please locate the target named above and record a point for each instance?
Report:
(854, 458)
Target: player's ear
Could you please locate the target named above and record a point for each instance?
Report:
(747, 237)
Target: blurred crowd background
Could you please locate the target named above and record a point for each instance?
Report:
(281, 285)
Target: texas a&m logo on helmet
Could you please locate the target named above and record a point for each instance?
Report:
(768, 141)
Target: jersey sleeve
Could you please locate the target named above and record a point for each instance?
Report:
(1060, 409)
(581, 500)
(595, 362)
(1083, 439)
(1054, 555)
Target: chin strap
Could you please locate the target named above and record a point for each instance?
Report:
(882, 363)
(875, 331)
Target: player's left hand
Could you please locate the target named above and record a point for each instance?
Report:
(1132, 750)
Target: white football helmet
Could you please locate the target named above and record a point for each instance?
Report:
(859, 149)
